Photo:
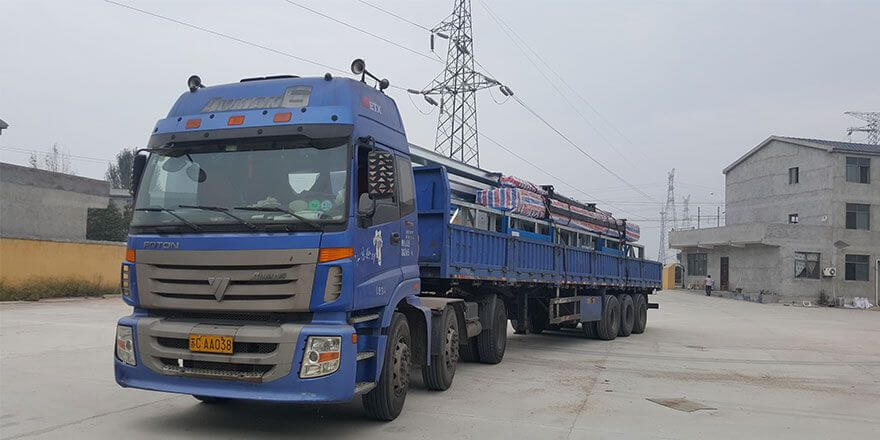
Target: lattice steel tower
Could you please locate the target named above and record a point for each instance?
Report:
(872, 129)
(668, 220)
(456, 87)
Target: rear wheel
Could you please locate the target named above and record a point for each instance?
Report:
(627, 315)
(492, 342)
(438, 376)
(386, 400)
(468, 351)
(538, 321)
(589, 329)
(640, 312)
(607, 327)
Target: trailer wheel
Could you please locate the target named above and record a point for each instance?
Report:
(640, 312)
(438, 376)
(538, 322)
(589, 329)
(607, 327)
(627, 315)
(491, 343)
(468, 351)
(386, 400)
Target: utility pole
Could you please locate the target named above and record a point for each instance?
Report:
(456, 86)
(871, 130)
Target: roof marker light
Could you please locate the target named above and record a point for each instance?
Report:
(235, 120)
(282, 117)
(193, 123)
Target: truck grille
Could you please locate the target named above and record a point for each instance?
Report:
(250, 280)
(261, 352)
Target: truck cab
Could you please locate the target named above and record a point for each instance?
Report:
(273, 239)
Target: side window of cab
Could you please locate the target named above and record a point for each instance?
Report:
(405, 186)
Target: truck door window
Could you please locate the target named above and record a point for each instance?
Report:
(405, 185)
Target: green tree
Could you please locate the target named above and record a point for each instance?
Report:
(109, 224)
(119, 173)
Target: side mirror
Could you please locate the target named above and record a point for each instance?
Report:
(366, 206)
(137, 171)
(380, 174)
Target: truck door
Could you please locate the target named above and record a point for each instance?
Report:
(409, 239)
(377, 243)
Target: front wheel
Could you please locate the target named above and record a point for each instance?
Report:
(438, 376)
(386, 400)
(491, 343)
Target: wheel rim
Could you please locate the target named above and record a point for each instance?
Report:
(450, 348)
(400, 368)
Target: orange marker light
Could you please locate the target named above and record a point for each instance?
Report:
(324, 357)
(282, 117)
(193, 123)
(129, 255)
(331, 254)
(354, 338)
(235, 120)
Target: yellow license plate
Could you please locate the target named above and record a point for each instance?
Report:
(210, 344)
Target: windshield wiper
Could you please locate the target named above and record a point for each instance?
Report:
(171, 212)
(310, 222)
(222, 211)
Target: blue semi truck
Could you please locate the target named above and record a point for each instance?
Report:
(288, 244)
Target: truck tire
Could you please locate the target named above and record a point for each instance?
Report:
(385, 401)
(627, 315)
(606, 328)
(589, 329)
(468, 351)
(438, 376)
(538, 321)
(491, 343)
(640, 313)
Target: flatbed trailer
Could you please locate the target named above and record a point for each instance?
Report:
(289, 244)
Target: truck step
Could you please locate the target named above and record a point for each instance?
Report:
(363, 318)
(363, 387)
(365, 355)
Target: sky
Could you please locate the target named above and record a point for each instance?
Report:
(641, 86)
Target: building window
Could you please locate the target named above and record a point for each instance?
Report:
(858, 169)
(806, 265)
(696, 264)
(858, 216)
(793, 175)
(793, 218)
(856, 268)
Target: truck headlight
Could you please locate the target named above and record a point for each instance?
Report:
(321, 357)
(125, 345)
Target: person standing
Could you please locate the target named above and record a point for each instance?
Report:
(709, 283)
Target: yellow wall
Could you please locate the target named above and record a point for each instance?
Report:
(22, 259)
(669, 276)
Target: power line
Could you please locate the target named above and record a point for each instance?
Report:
(577, 147)
(361, 30)
(516, 39)
(395, 15)
(44, 153)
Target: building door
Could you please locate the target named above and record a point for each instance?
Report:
(725, 274)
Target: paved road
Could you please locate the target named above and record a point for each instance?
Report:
(771, 371)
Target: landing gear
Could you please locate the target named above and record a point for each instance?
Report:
(386, 400)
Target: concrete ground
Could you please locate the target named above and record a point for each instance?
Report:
(770, 371)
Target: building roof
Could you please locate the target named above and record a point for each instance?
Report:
(829, 146)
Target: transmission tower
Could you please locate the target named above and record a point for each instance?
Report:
(686, 212)
(668, 218)
(456, 87)
(871, 130)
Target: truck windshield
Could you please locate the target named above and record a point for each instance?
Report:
(229, 185)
